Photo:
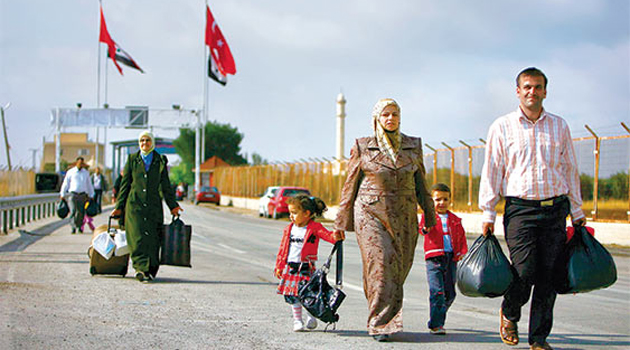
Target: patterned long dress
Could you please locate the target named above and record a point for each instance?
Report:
(379, 202)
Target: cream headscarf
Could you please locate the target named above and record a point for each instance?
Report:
(149, 134)
(388, 142)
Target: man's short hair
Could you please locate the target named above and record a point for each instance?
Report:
(442, 187)
(80, 158)
(531, 72)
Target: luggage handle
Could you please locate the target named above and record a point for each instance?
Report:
(337, 248)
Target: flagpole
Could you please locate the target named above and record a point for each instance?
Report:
(205, 93)
(106, 82)
(98, 68)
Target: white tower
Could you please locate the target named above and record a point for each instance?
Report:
(341, 115)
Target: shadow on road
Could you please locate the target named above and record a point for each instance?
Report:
(29, 237)
(559, 341)
(181, 280)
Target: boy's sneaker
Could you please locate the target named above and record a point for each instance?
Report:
(311, 322)
(438, 331)
(298, 326)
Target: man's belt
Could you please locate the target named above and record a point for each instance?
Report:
(549, 202)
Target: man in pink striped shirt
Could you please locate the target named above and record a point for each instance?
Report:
(530, 161)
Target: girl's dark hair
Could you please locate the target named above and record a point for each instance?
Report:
(313, 204)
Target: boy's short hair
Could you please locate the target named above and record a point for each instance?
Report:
(442, 187)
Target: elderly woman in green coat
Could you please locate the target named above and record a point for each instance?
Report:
(144, 183)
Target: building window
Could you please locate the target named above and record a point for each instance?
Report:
(84, 152)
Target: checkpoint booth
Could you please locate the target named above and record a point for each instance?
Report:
(122, 149)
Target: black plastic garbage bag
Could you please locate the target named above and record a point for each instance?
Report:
(62, 209)
(484, 271)
(585, 265)
(91, 208)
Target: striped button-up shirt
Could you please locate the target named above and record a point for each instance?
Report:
(529, 160)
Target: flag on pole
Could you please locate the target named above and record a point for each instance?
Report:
(221, 59)
(214, 73)
(115, 52)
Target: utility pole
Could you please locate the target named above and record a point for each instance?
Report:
(34, 157)
(4, 129)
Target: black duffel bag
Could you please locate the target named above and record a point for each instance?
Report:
(585, 265)
(484, 271)
(318, 297)
(62, 209)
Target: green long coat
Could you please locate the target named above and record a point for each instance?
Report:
(140, 198)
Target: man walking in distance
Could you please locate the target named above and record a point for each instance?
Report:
(530, 161)
(77, 189)
(100, 186)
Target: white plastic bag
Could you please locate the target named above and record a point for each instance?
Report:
(104, 245)
(120, 239)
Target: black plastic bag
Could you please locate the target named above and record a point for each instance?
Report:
(62, 209)
(585, 265)
(485, 271)
(320, 298)
(175, 243)
(91, 208)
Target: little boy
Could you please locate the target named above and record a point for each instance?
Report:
(444, 245)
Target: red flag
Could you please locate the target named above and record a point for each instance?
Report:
(115, 52)
(219, 48)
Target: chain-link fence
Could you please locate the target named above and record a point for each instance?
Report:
(603, 163)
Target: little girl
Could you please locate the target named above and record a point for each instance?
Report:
(87, 220)
(298, 253)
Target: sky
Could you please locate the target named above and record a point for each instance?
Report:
(450, 65)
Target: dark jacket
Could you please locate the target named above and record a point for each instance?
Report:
(140, 197)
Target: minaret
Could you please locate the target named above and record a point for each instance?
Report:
(341, 115)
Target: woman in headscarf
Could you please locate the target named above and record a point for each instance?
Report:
(379, 200)
(144, 183)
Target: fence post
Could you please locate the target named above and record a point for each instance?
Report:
(628, 131)
(434, 162)
(5, 228)
(596, 174)
(469, 174)
(453, 190)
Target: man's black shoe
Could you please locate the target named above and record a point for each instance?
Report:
(74, 230)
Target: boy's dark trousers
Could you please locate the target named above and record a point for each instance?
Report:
(535, 232)
(441, 275)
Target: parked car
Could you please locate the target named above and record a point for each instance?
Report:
(278, 204)
(263, 202)
(208, 194)
(48, 182)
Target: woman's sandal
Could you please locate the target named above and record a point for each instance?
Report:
(508, 330)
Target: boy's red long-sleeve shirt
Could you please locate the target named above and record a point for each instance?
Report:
(434, 239)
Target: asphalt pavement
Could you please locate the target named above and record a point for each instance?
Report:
(227, 300)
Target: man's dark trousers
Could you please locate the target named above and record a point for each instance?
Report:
(535, 232)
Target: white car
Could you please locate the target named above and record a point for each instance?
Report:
(263, 202)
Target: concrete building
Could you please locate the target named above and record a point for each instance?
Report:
(73, 145)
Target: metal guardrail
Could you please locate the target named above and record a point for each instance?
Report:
(16, 211)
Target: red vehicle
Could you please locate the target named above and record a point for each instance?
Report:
(278, 203)
(208, 194)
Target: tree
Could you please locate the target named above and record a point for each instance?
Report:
(181, 172)
(222, 140)
(257, 159)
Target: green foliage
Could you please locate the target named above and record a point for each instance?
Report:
(614, 187)
(181, 173)
(257, 159)
(222, 140)
(586, 187)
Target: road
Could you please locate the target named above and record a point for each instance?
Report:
(227, 300)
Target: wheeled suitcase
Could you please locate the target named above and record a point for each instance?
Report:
(116, 265)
